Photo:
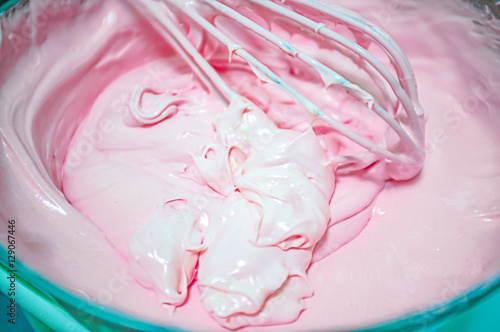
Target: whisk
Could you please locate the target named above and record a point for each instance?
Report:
(406, 120)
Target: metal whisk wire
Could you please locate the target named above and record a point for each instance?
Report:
(403, 86)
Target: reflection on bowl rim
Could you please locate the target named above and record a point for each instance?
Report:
(427, 317)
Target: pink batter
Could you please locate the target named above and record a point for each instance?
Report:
(102, 198)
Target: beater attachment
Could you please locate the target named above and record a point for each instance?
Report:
(406, 118)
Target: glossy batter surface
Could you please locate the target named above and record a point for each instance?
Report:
(391, 247)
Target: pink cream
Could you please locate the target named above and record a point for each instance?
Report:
(81, 175)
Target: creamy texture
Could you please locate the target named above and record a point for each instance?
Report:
(390, 248)
(277, 186)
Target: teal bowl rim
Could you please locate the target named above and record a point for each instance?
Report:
(7, 4)
(426, 317)
(60, 294)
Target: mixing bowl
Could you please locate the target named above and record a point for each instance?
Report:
(49, 306)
